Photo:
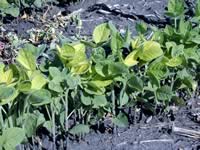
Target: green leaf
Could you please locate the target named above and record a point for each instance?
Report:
(101, 83)
(4, 4)
(192, 53)
(135, 83)
(121, 120)
(158, 68)
(164, 93)
(141, 27)
(72, 81)
(55, 86)
(112, 27)
(48, 125)
(12, 137)
(7, 94)
(98, 54)
(124, 99)
(12, 10)
(80, 129)
(174, 62)
(99, 101)
(190, 83)
(86, 99)
(38, 3)
(175, 8)
(26, 59)
(117, 43)
(184, 27)
(150, 51)
(197, 8)
(54, 72)
(117, 68)
(40, 97)
(175, 50)
(30, 124)
(36, 51)
(101, 33)
(153, 79)
(24, 86)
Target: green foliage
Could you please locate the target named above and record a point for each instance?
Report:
(12, 137)
(120, 72)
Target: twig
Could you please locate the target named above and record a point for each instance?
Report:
(158, 125)
(157, 140)
(186, 132)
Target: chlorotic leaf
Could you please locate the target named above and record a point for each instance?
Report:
(101, 33)
(131, 59)
(150, 51)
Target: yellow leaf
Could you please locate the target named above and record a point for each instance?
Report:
(150, 51)
(131, 59)
(6, 77)
(38, 81)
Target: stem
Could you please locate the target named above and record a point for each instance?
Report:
(113, 108)
(66, 110)
(66, 115)
(53, 126)
(113, 102)
(1, 118)
(48, 112)
(175, 22)
(10, 120)
(156, 99)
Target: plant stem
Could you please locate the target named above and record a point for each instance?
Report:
(66, 115)
(1, 118)
(175, 22)
(113, 102)
(66, 110)
(53, 126)
(113, 108)
(48, 113)
(10, 120)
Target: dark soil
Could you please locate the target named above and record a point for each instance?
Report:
(147, 132)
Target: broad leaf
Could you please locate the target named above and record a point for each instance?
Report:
(131, 59)
(117, 42)
(135, 83)
(99, 101)
(150, 51)
(101, 33)
(38, 81)
(80, 129)
(12, 137)
(40, 97)
(7, 94)
(175, 8)
(26, 59)
(121, 120)
(164, 93)
(174, 62)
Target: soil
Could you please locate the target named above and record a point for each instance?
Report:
(147, 132)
